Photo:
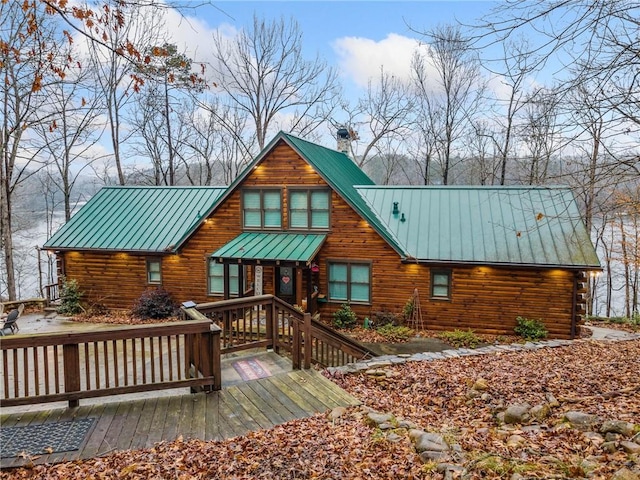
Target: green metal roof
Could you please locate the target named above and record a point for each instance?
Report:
(486, 225)
(337, 169)
(285, 247)
(147, 219)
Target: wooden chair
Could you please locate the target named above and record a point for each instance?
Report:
(12, 319)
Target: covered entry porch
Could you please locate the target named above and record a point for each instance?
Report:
(280, 264)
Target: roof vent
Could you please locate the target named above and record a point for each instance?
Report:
(402, 219)
(396, 210)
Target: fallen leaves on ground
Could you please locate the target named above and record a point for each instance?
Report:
(119, 317)
(593, 377)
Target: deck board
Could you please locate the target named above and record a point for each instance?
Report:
(235, 410)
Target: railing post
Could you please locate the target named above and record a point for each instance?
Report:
(268, 310)
(296, 344)
(71, 365)
(215, 355)
(308, 343)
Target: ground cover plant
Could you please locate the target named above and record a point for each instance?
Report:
(598, 378)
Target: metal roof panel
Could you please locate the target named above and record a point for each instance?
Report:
(149, 219)
(491, 225)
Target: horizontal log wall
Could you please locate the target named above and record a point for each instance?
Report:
(484, 299)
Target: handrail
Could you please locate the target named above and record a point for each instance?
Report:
(110, 361)
(268, 321)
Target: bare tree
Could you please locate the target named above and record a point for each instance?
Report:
(71, 133)
(451, 94)
(26, 68)
(380, 120)
(263, 72)
(114, 72)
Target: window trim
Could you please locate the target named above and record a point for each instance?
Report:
(221, 293)
(309, 191)
(261, 192)
(349, 263)
(149, 262)
(440, 271)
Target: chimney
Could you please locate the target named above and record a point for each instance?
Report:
(343, 139)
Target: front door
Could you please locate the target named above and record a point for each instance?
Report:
(286, 284)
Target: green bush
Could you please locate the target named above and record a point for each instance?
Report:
(155, 304)
(461, 338)
(345, 317)
(395, 333)
(407, 310)
(70, 296)
(530, 328)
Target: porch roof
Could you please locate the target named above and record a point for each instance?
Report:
(258, 247)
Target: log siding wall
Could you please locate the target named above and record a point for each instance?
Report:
(485, 299)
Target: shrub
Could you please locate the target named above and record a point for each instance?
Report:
(530, 328)
(345, 317)
(154, 304)
(395, 333)
(384, 318)
(70, 296)
(407, 310)
(461, 338)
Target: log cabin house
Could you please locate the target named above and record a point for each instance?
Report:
(304, 223)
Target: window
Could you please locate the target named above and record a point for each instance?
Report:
(309, 209)
(350, 282)
(441, 284)
(154, 271)
(261, 209)
(216, 278)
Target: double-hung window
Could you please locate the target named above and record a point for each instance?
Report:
(350, 282)
(309, 209)
(216, 279)
(154, 271)
(441, 284)
(261, 209)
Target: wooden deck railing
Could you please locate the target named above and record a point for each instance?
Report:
(112, 361)
(52, 293)
(266, 321)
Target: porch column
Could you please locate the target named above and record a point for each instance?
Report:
(240, 281)
(225, 269)
(309, 292)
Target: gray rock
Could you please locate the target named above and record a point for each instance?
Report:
(338, 412)
(581, 420)
(625, 474)
(487, 397)
(500, 417)
(540, 411)
(376, 373)
(414, 434)
(518, 413)
(515, 441)
(618, 426)
(552, 401)
(386, 426)
(630, 447)
(613, 437)
(379, 418)
(516, 476)
(432, 442)
(594, 437)
(430, 456)
(609, 447)
(394, 437)
(406, 424)
(472, 393)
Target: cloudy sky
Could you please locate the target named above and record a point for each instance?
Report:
(358, 37)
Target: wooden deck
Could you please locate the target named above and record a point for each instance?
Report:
(232, 411)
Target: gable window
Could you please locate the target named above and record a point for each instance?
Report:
(216, 278)
(350, 282)
(261, 209)
(441, 283)
(154, 271)
(309, 209)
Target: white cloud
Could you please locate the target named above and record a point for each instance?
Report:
(361, 58)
